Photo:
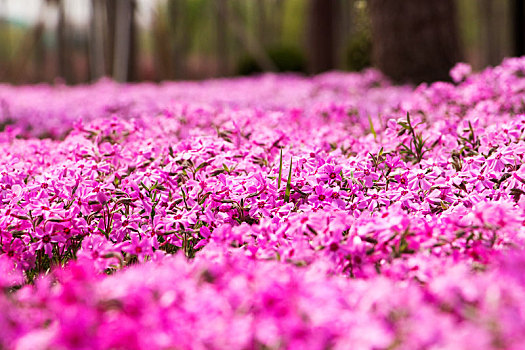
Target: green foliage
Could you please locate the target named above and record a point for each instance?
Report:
(288, 183)
(285, 58)
(280, 171)
(359, 52)
(416, 149)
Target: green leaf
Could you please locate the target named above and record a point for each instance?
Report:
(74, 189)
(372, 130)
(103, 232)
(57, 220)
(184, 199)
(288, 183)
(203, 198)
(124, 201)
(202, 165)
(217, 172)
(280, 170)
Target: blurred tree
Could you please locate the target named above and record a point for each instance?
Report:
(5, 37)
(358, 43)
(262, 23)
(112, 47)
(519, 27)
(110, 26)
(276, 21)
(496, 41)
(358, 52)
(250, 42)
(414, 40)
(124, 55)
(97, 48)
(161, 52)
(222, 37)
(63, 45)
(285, 59)
(178, 43)
(322, 36)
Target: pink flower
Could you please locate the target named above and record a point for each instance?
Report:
(139, 246)
(479, 181)
(321, 194)
(330, 173)
(367, 176)
(47, 240)
(499, 159)
(419, 180)
(375, 199)
(460, 71)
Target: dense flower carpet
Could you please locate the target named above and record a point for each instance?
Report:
(273, 212)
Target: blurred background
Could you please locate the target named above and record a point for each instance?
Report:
(79, 41)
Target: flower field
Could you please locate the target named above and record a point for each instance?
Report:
(273, 212)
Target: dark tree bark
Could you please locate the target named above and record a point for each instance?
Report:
(97, 60)
(222, 37)
(124, 41)
(179, 39)
(322, 39)
(493, 31)
(40, 56)
(414, 40)
(111, 23)
(134, 49)
(519, 27)
(260, 15)
(63, 48)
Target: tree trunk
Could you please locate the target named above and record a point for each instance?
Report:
(110, 34)
(251, 43)
(123, 52)
(179, 39)
(276, 22)
(5, 71)
(260, 14)
(519, 27)
(64, 51)
(494, 32)
(414, 40)
(322, 40)
(97, 62)
(222, 37)
(134, 49)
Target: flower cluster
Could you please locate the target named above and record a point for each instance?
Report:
(268, 212)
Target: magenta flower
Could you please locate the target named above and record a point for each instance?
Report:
(439, 195)
(46, 241)
(419, 180)
(321, 194)
(375, 199)
(139, 246)
(367, 176)
(330, 173)
(261, 208)
(402, 180)
(460, 72)
(145, 216)
(501, 158)
(338, 197)
(479, 181)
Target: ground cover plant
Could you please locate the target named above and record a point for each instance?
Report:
(273, 212)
